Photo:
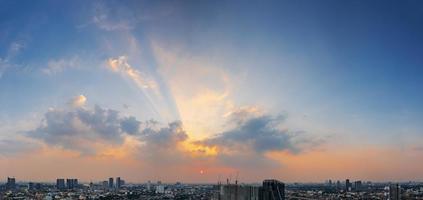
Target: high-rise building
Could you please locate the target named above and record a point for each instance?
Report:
(71, 183)
(238, 192)
(119, 182)
(270, 190)
(347, 185)
(111, 183)
(60, 183)
(31, 186)
(148, 185)
(394, 192)
(357, 185)
(338, 185)
(273, 190)
(11, 183)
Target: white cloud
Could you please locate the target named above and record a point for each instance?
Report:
(121, 64)
(78, 101)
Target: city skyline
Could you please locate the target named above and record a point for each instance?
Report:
(201, 91)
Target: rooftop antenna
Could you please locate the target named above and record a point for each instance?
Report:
(236, 180)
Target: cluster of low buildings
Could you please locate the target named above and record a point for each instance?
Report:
(116, 188)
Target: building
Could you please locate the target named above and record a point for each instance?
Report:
(11, 183)
(148, 186)
(358, 186)
(394, 192)
(60, 183)
(105, 184)
(347, 185)
(160, 189)
(118, 182)
(71, 183)
(273, 190)
(238, 192)
(270, 190)
(111, 185)
(338, 185)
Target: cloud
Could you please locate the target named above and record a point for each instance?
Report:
(78, 101)
(252, 135)
(81, 128)
(121, 65)
(56, 66)
(130, 125)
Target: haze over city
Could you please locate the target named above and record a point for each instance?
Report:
(202, 91)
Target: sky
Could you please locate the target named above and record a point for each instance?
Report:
(202, 91)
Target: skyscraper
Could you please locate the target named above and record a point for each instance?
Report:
(273, 190)
(71, 183)
(394, 192)
(238, 192)
(118, 182)
(357, 185)
(347, 185)
(111, 182)
(11, 183)
(270, 190)
(60, 183)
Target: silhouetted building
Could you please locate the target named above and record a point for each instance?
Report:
(394, 192)
(338, 185)
(358, 186)
(11, 183)
(273, 190)
(111, 183)
(31, 186)
(60, 183)
(347, 185)
(71, 183)
(148, 185)
(238, 192)
(270, 190)
(119, 182)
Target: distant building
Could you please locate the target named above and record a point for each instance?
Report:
(105, 184)
(338, 185)
(394, 192)
(270, 190)
(347, 185)
(60, 183)
(71, 183)
(118, 182)
(31, 186)
(273, 190)
(11, 183)
(111, 185)
(238, 192)
(148, 185)
(358, 186)
(160, 189)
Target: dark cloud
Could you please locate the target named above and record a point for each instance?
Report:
(252, 136)
(76, 128)
(260, 134)
(161, 145)
(79, 128)
(130, 125)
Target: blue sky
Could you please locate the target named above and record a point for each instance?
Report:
(342, 73)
